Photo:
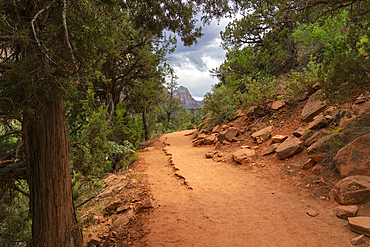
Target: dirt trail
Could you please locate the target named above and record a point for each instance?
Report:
(221, 204)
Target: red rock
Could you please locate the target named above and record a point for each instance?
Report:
(279, 138)
(209, 155)
(244, 155)
(360, 225)
(318, 122)
(148, 204)
(216, 129)
(299, 132)
(228, 134)
(224, 127)
(312, 108)
(353, 190)
(121, 220)
(209, 140)
(317, 170)
(264, 134)
(308, 164)
(358, 240)
(354, 159)
(312, 213)
(94, 240)
(289, 147)
(318, 157)
(313, 138)
(276, 105)
(270, 149)
(347, 211)
(218, 146)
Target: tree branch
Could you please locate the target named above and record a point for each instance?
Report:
(14, 171)
(6, 38)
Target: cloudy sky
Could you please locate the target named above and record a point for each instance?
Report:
(192, 64)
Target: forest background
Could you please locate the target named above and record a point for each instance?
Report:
(82, 83)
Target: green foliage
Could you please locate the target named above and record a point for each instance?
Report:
(221, 104)
(15, 222)
(125, 126)
(298, 83)
(257, 91)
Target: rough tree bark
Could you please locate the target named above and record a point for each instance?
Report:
(54, 221)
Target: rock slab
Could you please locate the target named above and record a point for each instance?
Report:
(354, 159)
(312, 108)
(360, 225)
(345, 212)
(353, 190)
(244, 155)
(289, 147)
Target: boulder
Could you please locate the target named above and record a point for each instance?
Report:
(317, 169)
(264, 134)
(299, 132)
(244, 155)
(354, 159)
(318, 157)
(358, 240)
(308, 164)
(360, 225)
(209, 140)
(318, 122)
(313, 138)
(326, 143)
(276, 105)
(148, 204)
(217, 129)
(279, 138)
(353, 190)
(289, 147)
(228, 134)
(218, 146)
(94, 240)
(270, 149)
(312, 108)
(201, 136)
(209, 155)
(347, 211)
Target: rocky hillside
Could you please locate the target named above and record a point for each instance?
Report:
(186, 99)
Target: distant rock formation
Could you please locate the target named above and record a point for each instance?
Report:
(186, 99)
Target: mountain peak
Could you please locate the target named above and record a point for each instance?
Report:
(186, 99)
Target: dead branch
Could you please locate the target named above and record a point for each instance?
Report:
(14, 171)
(15, 187)
(92, 197)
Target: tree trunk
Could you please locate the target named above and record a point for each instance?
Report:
(49, 177)
(145, 125)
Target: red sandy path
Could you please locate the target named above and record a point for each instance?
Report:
(228, 206)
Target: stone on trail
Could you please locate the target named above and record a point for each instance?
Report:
(244, 155)
(228, 134)
(347, 211)
(354, 159)
(299, 132)
(318, 122)
(94, 240)
(358, 240)
(312, 213)
(360, 225)
(276, 105)
(289, 147)
(279, 138)
(312, 108)
(218, 146)
(148, 204)
(353, 190)
(308, 164)
(209, 155)
(264, 134)
(313, 138)
(209, 140)
(318, 157)
(270, 149)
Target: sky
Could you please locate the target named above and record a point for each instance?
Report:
(192, 64)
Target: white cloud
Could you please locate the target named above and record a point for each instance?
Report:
(192, 64)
